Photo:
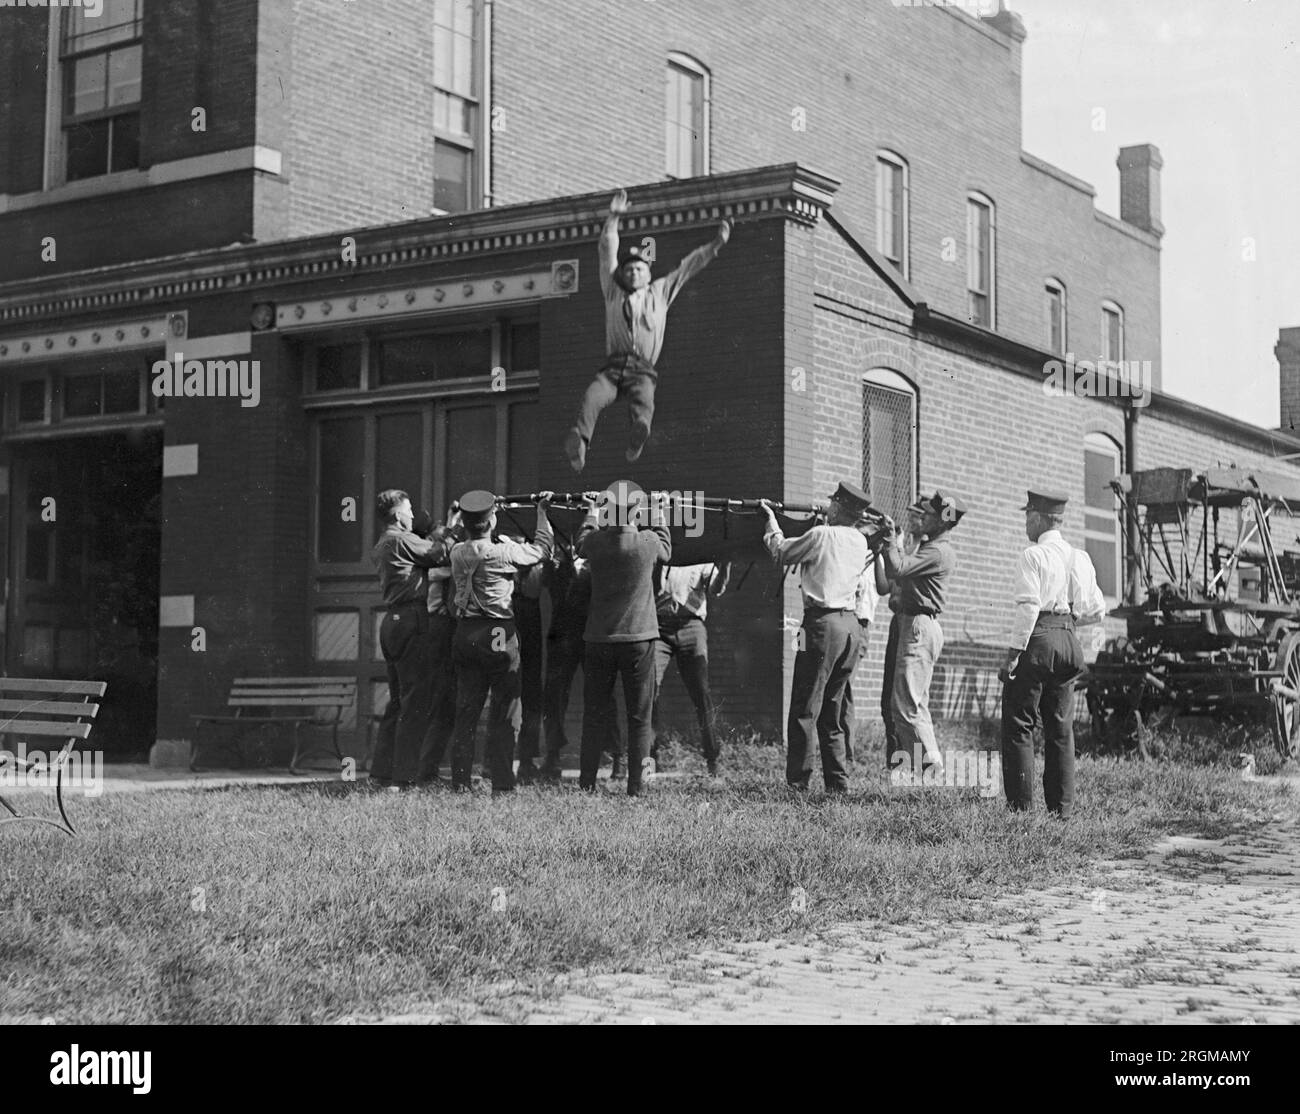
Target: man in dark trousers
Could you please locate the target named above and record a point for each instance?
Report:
(486, 647)
(528, 621)
(621, 626)
(442, 633)
(636, 314)
(682, 602)
(403, 559)
(832, 559)
(922, 580)
(1055, 590)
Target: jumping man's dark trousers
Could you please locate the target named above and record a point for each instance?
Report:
(486, 652)
(404, 642)
(629, 377)
(604, 663)
(1043, 684)
(822, 669)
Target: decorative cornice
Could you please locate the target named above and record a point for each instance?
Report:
(789, 192)
(115, 336)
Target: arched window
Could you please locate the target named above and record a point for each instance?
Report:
(981, 259)
(1058, 338)
(686, 122)
(1102, 462)
(889, 440)
(893, 189)
(1112, 334)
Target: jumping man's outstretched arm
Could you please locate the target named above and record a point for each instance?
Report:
(609, 240)
(694, 263)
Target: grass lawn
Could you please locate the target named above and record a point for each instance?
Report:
(274, 905)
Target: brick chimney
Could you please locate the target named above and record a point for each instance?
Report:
(1139, 187)
(1288, 374)
(1007, 22)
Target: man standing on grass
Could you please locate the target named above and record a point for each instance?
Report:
(403, 559)
(621, 625)
(486, 647)
(442, 634)
(1055, 590)
(832, 559)
(922, 581)
(636, 314)
(682, 602)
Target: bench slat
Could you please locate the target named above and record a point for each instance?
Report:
(49, 707)
(281, 681)
(290, 694)
(45, 727)
(289, 701)
(23, 684)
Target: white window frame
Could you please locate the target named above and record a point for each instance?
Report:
(693, 66)
(1106, 357)
(480, 185)
(1054, 286)
(976, 199)
(886, 162)
(1099, 443)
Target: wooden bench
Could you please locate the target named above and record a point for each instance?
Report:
(62, 709)
(302, 699)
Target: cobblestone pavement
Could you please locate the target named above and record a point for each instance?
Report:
(1199, 931)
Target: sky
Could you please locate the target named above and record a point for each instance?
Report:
(1215, 85)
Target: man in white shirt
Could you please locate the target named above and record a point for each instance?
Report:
(832, 559)
(1056, 588)
(681, 606)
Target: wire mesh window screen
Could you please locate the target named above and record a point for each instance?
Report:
(889, 447)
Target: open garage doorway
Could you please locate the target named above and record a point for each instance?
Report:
(84, 548)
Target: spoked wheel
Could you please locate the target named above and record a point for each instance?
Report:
(1286, 697)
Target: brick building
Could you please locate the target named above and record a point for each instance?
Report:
(381, 203)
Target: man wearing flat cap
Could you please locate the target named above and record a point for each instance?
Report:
(1055, 591)
(622, 626)
(636, 314)
(832, 560)
(486, 644)
(921, 580)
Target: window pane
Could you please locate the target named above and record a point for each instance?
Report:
(888, 465)
(73, 649)
(342, 475)
(442, 57)
(38, 554)
(463, 355)
(1103, 560)
(471, 450)
(121, 392)
(463, 65)
(126, 142)
(451, 168)
(525, 347)
(338, 367)
(405, 361)
(124, 76)
(38, 648)
(81, 396)
(1098, 470)
(399, 456)
(88, 84)
(337, 636)
(521, 468)
(87, 150)
(31, 401)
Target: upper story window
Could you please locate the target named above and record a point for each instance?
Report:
(686, 121)
(981, 260)
(1101, 534)
(1057, 330)
(459, 147)
(889, 458)
(892, 187)
(100, 61)
(1112, 333)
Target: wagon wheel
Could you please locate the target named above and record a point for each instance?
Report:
(1286, 703)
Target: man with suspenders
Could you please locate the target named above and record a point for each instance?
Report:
(1055, 589)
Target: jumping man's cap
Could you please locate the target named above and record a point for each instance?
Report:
(477, 502)
(947, 507)
(852, 497)
(632, 253)
(1045, 503)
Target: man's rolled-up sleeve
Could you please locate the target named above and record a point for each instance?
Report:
(1027, 595)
